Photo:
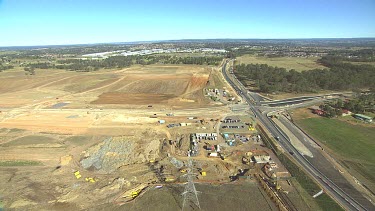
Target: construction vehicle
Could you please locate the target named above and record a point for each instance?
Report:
(90, 179)
(203, 173)
(170, 178)
(209, 147)
(77, 174)
(275, 181)
(224, 156)
(246, 159)
(133, 193)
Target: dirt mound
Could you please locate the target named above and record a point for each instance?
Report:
(113, 153)
(155, 90)
(198, 82)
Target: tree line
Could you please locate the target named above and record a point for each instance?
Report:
(360, 104)
(5, 67)
(340, 76)
(169, 59)
(86, 65)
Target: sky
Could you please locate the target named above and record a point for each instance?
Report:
(57, 22)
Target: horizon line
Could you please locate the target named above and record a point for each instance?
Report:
(197, 39)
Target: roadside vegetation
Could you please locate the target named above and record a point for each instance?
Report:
(324, 201)
(308, 185)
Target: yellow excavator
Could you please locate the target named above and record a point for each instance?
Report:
(133, 193)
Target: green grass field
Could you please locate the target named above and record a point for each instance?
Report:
(299, 64)
(353, 144)
(29, 140)
(78, 140)
(20, 163)
(360, 63)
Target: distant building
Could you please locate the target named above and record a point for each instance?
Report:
(363, 117)
(319, 112)
(206, 136)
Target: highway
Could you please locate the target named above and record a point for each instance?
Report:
(329, 186)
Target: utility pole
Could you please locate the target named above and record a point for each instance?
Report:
(190, 194)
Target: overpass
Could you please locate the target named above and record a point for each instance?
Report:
(342, 197)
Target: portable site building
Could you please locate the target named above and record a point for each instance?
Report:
(363, 117)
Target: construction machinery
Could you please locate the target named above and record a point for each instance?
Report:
(90, 179)
(246, 159)
(224, 155)
(275, 181)
(169, 178)
(133, 193)
(77, 174)
(251, 128)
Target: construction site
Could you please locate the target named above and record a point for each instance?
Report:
(141, 138)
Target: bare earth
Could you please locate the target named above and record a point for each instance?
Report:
(104, 124)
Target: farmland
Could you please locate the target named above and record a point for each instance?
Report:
(296, 63)
(236, 196)
(352, 144)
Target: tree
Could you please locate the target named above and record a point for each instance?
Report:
(30, 70)
(339, 103)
